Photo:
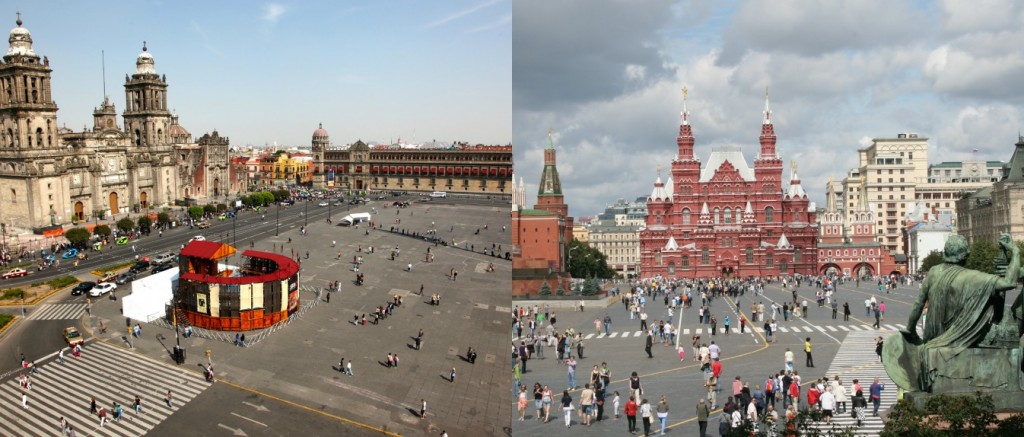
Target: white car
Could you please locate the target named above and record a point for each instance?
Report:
(197, 238)
(322, 204)
(101, 289)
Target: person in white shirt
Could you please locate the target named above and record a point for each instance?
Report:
(752, 413)
(828, 403)
(840, 393)
(789, 360)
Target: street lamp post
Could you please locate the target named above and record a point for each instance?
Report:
(277, 229)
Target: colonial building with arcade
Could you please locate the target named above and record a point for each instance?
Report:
(458, 167)
(726, 218)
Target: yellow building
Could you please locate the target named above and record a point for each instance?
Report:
(291, 169)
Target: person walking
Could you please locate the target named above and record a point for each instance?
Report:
(879, 344)
(607, 324)
(567, 408)
(137, 405)
(570, 366)
(60, 356)
(648, 343)
(630, 411)
(451, 375)
(663, 413)
(878, 316)
(789, 360)
(636, 389)
(876, 396)
(646, 416)
(348, 368)
(725, 324)
(586, 403)
(702, 417)
(846, 311)
(835, 309)
(807, 350)
(423, 409)
(859, 405)
(167, 399)
(712, 386)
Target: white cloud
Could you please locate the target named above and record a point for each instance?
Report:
(273, 11)
(492, 25)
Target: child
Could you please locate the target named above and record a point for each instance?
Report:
(615, 404)
(682, 354)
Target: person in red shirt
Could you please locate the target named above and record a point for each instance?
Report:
(631, 414)
(794, 393)
(716, 368)
(812, 396)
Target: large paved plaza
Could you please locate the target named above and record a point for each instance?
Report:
(843, 348)
(288, 383)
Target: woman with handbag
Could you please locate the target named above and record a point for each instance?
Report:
(567, 407)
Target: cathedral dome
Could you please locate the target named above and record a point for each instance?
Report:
(320, 132)
(144, 64)
(20, 40)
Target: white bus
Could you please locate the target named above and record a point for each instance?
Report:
(439, 194)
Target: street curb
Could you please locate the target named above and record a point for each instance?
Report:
(9, 325)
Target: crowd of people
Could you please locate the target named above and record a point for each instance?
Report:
(771, 405)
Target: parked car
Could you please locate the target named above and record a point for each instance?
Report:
(161, 267)
(125, 278)
(197, 238)
(72, 337)
(163, 258)
(102, 288)
(14, 273)
(107, 277)
(322, 204)
(203, 225)
(140, 266)
(82, 287)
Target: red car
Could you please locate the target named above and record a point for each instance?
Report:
(15, 273)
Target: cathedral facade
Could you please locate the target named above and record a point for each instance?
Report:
(726, 218)
(52, 176)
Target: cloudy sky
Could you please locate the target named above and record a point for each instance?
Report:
(606, 75)
(261, 72)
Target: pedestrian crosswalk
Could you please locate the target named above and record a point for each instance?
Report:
(103, 372)
(57, 311)
(856, 359)
(795, 329)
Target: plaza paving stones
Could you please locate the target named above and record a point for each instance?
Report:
(104, 372)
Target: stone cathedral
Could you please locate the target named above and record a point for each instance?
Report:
(52, 176)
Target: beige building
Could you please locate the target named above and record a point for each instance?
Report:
(998, 209)
(894, 176)
(52, 176)
(616, 234)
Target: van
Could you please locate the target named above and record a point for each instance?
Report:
(355, 218)
(439, 194)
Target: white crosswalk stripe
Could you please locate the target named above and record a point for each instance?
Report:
(856, 359)
(830, 328)
(57, 311)
(106, 373)
(589, 336)
(721, 330)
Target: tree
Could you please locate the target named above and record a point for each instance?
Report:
(102, 230)
(145, 222)
(163, 218)
(983, 253)
(945, 415)
(587, 262)
(209, 209)
(78, 237)
(126, 224)
(933, 259)
(560, 291)
(221, 207)
(545, 289)
(196, 212)
(590, 287)
(280, 195)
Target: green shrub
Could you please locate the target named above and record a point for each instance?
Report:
(13, 293)
(61, 282)
(545, 289)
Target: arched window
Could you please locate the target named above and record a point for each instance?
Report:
(686, 262)
(138, 137)
(705, 256)
(39, 136)
(769, 260)
(750, 255)
(686, 216)
(718, 216)
(728, 216)
(769, 214)
(14, 196)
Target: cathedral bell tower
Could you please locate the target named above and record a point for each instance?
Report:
(146, 119)
(28, 115)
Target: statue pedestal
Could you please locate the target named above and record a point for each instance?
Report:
(993, 371)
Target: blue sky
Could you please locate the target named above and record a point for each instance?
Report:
(607, 81)
(261, 72)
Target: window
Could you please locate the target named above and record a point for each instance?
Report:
(705, 256)
(728, 216)
(798, 255)
(717, 216)
(769, 214)
(782, 265)
(750, 255)
(769, 260)
(686, 216)
(686, 262)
